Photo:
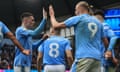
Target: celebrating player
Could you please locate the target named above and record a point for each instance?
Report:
(88, 36)
(53, 51)
(106, 64)
(22, 63)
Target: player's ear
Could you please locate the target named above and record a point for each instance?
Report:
(24, 19)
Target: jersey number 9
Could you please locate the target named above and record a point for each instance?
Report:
(93, 28)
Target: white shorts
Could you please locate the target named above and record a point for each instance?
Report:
(21, 69)
(102, 69)
(54, 68)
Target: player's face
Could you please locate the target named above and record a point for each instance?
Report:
(77, 10)
(99, 17)
(30, 21)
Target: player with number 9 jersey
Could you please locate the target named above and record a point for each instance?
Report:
(88, 37)
(88, 34)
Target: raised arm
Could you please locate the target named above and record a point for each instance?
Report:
(67, 23)
(54, 22)
(39, 29)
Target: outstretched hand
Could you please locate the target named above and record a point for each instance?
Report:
(26, 52)
(108, 54)
(51, 11)
(44, 14)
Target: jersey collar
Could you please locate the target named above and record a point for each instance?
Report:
(53, 36)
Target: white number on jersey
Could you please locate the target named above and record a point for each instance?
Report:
(93, 28)
(55, 49)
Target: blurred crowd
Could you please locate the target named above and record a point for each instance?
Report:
(7, 53)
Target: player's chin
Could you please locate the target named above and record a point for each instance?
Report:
(30, 27)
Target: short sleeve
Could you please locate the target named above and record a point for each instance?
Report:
(4, 28)
(103, 32)
(67, 45)
(41, 48)
(72, 21)
(113, 53)
(110, 33)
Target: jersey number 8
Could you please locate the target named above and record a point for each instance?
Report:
(54, 48)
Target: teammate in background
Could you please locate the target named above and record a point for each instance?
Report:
(88, 36)
(22, 63)
(6, 31)
(53, 51)
(107, 65)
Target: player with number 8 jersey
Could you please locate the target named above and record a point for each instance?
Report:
(53, 51)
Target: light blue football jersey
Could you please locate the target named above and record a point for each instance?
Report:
(3, 30)
(88, 35)
(24, 36)
(109, 34)
(53, 50)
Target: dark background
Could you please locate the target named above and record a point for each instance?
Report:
(10, 10)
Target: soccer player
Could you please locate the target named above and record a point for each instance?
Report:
(24, 34)
(88, 36)
(6, 31)
(106, 64)
(53, 51)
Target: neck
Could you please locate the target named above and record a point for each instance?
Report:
(102, 21)
(23, 25)
(83, 13)
(55, 34)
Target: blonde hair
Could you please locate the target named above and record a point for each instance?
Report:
(85, 5)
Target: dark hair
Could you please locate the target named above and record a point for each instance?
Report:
(99, 12)
(56, 30)
(25, 14)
